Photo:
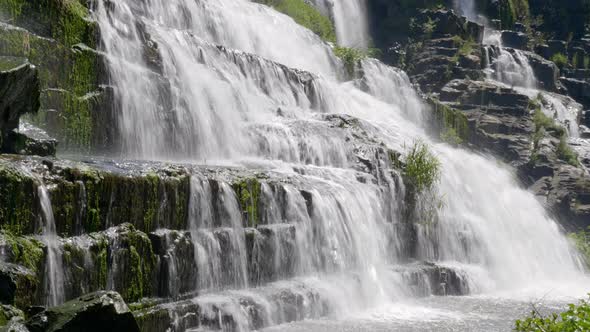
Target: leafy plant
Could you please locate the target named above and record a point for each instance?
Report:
(560, 60)
(350, 56)
(566, 153)
(306, 15)
(422, 168)
(575, 319)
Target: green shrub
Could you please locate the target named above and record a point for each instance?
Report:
(350, 57)
(575, 319)
(422, 167)
(565, 152)
(544, 124)
(305, 15)
(560, 60)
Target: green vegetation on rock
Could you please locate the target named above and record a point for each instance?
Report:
(452, 123)
(67, 64)
(248, 192)
(544, 125)
(560, 60)
(422, 167)
(17, 201)
(306, 15)
(575, 319)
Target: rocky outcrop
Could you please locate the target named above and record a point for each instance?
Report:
(100, 311)
(19, 95)
(499, 118)
(59, 38)
(514, 39)
(546, 72)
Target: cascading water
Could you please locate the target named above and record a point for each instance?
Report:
(350, 20)
(54, 283)
(181, 96)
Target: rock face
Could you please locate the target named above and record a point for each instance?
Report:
(499, 118)
(19, 95)
(59, 38)
(515, 39)
(100, 311)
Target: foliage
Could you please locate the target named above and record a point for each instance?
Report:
(350, 56)
(560, 60)
(582, 241)
(306, 15)
(544, 124)
(422, 167)
(565, 152)
(575, 319)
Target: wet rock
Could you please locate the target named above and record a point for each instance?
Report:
(577, 89)
(499, 118)
(30, 140)
(447, 23)
(19, 95)
(546, 71)
(18, 285)
(569, 195)
(515, 39)
(100, 311)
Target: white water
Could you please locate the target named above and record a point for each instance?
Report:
(350, 20)
(53, 278)
(216, 103)
(509, 67)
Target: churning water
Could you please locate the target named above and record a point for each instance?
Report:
(207, 80)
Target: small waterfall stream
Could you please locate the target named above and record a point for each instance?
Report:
(54, 282)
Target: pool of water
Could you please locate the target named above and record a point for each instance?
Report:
(466, 313)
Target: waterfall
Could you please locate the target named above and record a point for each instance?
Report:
(54, 283)
(212, 80)
(509, 67)
(350, 20)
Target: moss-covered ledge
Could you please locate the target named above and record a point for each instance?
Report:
(59, 37)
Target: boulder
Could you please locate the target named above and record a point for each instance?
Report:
(18, 285)
(577, 89)
(100, 311)
(546, 71)
(515, 39)
(19, 94)
(30, 140)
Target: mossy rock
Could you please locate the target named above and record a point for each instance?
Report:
(58, 37)
(100, 311)
(248, 192)
(18, 201)
(18, 285)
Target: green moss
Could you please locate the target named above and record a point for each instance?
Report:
(17, 201)
(566, 153)
(248, 192)
(306, 15)
(67, 65)
(581, 240)
(543, 125)
(141, 266)
(25, 251)
(452, 122)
